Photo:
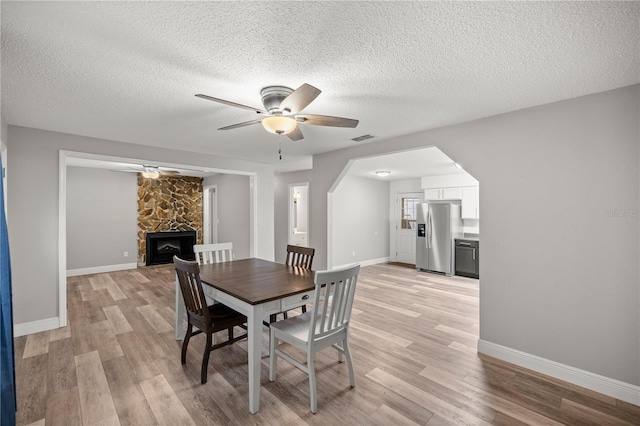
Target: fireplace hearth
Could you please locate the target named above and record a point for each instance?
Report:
(162, 246)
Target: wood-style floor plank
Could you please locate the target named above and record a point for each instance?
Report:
(37, 344)
(165, 404)
(116, 318)
(63, 408)
(419, 365)
(130, 403)
(95, 397)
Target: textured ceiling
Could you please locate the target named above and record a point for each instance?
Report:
(128, 71)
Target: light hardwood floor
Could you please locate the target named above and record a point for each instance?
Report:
(413, 340)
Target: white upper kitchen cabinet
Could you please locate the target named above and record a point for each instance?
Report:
(432, 194)
(471, 202)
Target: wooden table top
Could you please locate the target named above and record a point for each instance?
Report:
(257, 281)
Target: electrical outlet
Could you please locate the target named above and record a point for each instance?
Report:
(126, 254)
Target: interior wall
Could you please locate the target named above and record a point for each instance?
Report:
(281, 211)
(233, 211)
(33, 206)
(565, 287)
(360, 220)
(101, 218)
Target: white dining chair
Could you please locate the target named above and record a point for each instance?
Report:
(327, 324)
(213, 253)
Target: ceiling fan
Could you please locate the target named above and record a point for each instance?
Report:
(281, 111)
(151, 172)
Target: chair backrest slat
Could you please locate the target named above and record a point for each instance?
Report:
(333, 301)
(188, 273)
(213, 253)
(300, 256)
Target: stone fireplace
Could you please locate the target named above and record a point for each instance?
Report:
(169, 205)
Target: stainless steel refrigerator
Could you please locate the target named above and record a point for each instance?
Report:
(439, 223)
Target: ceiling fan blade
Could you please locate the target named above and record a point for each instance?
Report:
(326, 120)
(235, 126)
(222, 101)
(295, 135)
(299, 99)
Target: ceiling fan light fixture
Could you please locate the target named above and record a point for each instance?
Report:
(151, 172)
(383, 173)
(279, 124)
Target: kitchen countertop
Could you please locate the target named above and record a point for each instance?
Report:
(469, 238)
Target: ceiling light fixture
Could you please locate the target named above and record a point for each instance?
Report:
(383, 173)
(279, 124)
(151, 172)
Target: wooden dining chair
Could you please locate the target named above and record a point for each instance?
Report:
(208, 319)
(327, 324)
(213, 253)
(299, 256)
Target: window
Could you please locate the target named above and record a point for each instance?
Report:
(408, 212)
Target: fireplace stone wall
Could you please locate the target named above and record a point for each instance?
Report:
(168, 204)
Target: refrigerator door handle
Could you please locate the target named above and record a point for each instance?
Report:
(429, 227)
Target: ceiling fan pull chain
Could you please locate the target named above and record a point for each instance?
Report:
(280, 145)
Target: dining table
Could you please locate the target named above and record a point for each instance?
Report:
(257, 288)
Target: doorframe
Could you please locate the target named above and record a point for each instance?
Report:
(210, 214)
(65, 156)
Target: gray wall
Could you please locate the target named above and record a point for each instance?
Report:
(3, 130)
(281, 206)
(565, 287)
(102, 212)
(233, 211)
(33, 207)
(360, 220)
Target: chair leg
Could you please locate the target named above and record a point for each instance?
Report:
(345, 347)
(273, 342)
(230, 331)
(205, 359)
(313, 402)
(185, 343)
(304, 308)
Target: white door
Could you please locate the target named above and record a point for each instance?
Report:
(406, 214)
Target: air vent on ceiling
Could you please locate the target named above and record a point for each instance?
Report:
(362, 138)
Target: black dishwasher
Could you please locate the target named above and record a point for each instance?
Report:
(467, 258)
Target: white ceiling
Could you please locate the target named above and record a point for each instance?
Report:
(128, 71)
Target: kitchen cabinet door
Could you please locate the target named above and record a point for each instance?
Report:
(451, 193)
(471, 202)
(432, 194)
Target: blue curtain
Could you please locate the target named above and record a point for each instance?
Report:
(7, 361)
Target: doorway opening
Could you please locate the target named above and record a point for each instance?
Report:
(210, 214)
(299, 214)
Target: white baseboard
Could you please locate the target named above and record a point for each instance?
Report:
(595, 382)
(36, 326)
(101, 269)
(364, 262)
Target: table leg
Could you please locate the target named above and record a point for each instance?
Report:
(254, 319)
(180, 311)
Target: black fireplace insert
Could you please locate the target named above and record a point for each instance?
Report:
(162, 246)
